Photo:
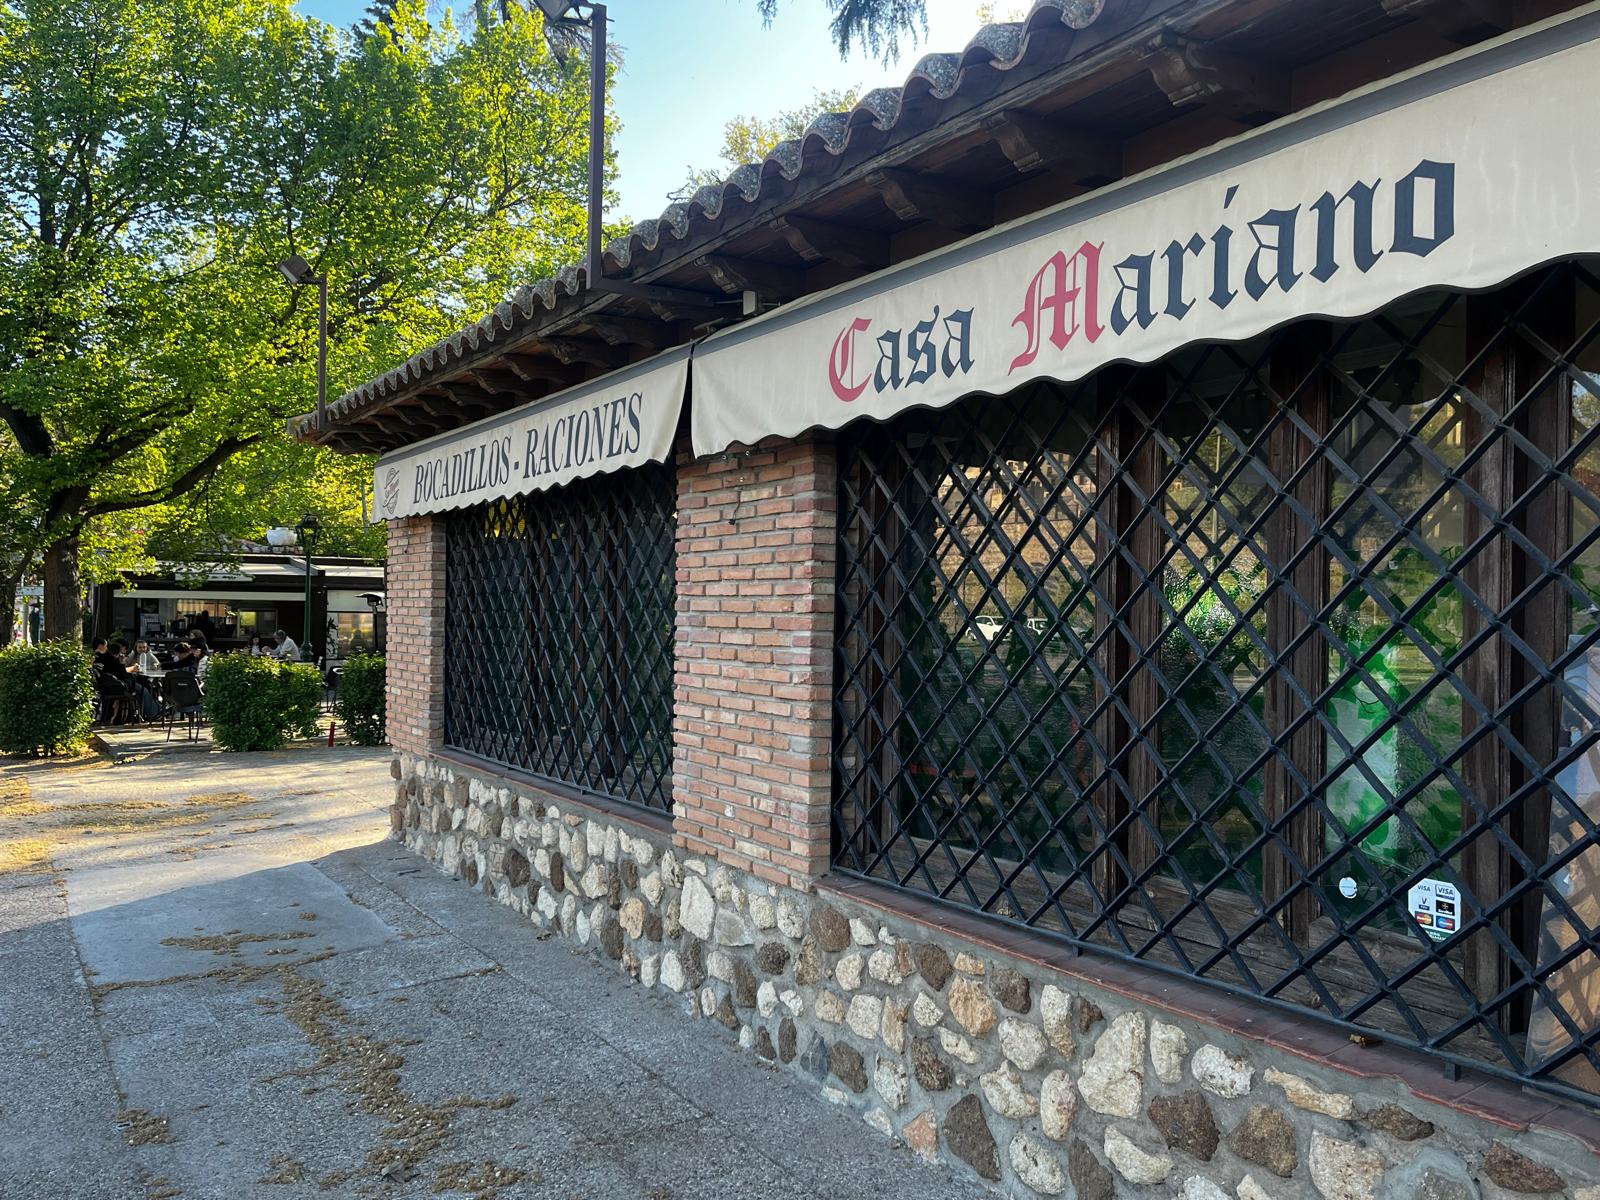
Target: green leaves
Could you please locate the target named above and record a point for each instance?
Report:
(260, 703)
(159, 157)
(46, 699)
(362, 701)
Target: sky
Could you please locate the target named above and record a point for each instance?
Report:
(690, 66)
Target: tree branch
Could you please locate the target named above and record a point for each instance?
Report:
(224, 451)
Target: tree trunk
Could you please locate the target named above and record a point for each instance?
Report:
(63, 597)
(9, 581)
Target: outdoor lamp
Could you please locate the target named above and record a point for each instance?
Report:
(299, 274)
(308, 528)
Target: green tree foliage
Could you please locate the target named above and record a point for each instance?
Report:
(46, 699)
(362, 701)
(875, 26)
(157, 159)
(749, 139)
(260, 703)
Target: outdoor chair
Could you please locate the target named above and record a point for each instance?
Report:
(117, 704)
(184, 699)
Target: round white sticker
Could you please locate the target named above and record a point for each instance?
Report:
(1347, 888)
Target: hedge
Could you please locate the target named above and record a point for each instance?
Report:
(46, 699)
(361, 702)
(260, 703)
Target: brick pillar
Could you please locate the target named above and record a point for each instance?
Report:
(752, 720)
(414, 585)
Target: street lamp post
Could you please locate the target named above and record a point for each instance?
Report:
(571, 12)
(298, 272)
(308, 528)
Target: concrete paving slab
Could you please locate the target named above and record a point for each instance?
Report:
(292, 910)
(420, 1025)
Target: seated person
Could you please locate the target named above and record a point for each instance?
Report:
(182, 657)
(111, 680)
(109, 661)
(287, 650)
(144, 658)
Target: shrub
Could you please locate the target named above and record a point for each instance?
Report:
(361, 703)
(260, 703)
(46, 699)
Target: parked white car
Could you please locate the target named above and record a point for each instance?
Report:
(988, 626)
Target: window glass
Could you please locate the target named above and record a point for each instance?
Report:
(977, 546)
(558, 633)
(1210, 660)
(355, 633)
(1395, 539)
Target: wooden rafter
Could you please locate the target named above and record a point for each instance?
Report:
(816, 241)
(1033, 143)
(926, 198)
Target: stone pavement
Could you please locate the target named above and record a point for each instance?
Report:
(219, 978)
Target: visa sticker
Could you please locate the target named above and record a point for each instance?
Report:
(1435, 905)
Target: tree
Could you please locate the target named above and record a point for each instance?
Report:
(159, 157)
(873, 25)
(749, 139)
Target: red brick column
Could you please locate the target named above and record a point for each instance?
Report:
(414, 586)
(752, 722)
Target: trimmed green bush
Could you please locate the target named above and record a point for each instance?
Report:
(361, 702)
(260, 703)
(46, 699)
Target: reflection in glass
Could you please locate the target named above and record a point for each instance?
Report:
(996, 689)
(1399, 518)
(1211, 733)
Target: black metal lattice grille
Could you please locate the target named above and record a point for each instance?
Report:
(558, 633)
(1273, 665)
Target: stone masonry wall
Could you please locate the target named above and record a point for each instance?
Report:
(752, 718)
(414, 584)
(1033, 1081)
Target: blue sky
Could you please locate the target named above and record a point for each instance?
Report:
(690, 66)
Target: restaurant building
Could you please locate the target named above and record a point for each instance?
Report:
(253, 595)
(1074, 628)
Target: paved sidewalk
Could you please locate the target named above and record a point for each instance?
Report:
(286, 1004)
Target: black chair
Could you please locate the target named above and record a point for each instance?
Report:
(116, 699)
(184, 699)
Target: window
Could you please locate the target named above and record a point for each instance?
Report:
(256, 622)
(1268, 665)
(354, 633)
(558, 618)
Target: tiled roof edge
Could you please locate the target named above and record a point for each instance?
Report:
(1001, 46)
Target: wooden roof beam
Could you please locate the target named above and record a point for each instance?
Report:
(817, 241)
(1192, 72)
(534, 369)
(493, 385)
(618, 330)
(446, 407)
(767, 280)
(1033, 143)
(924, 198)
(1454, 18)
(477, 399)
(573, 351)
(391, 426)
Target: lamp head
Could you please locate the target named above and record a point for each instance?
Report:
(296, 270)
(554, 10)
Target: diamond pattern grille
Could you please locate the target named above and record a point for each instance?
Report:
(558, 633)
(1230, 663)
